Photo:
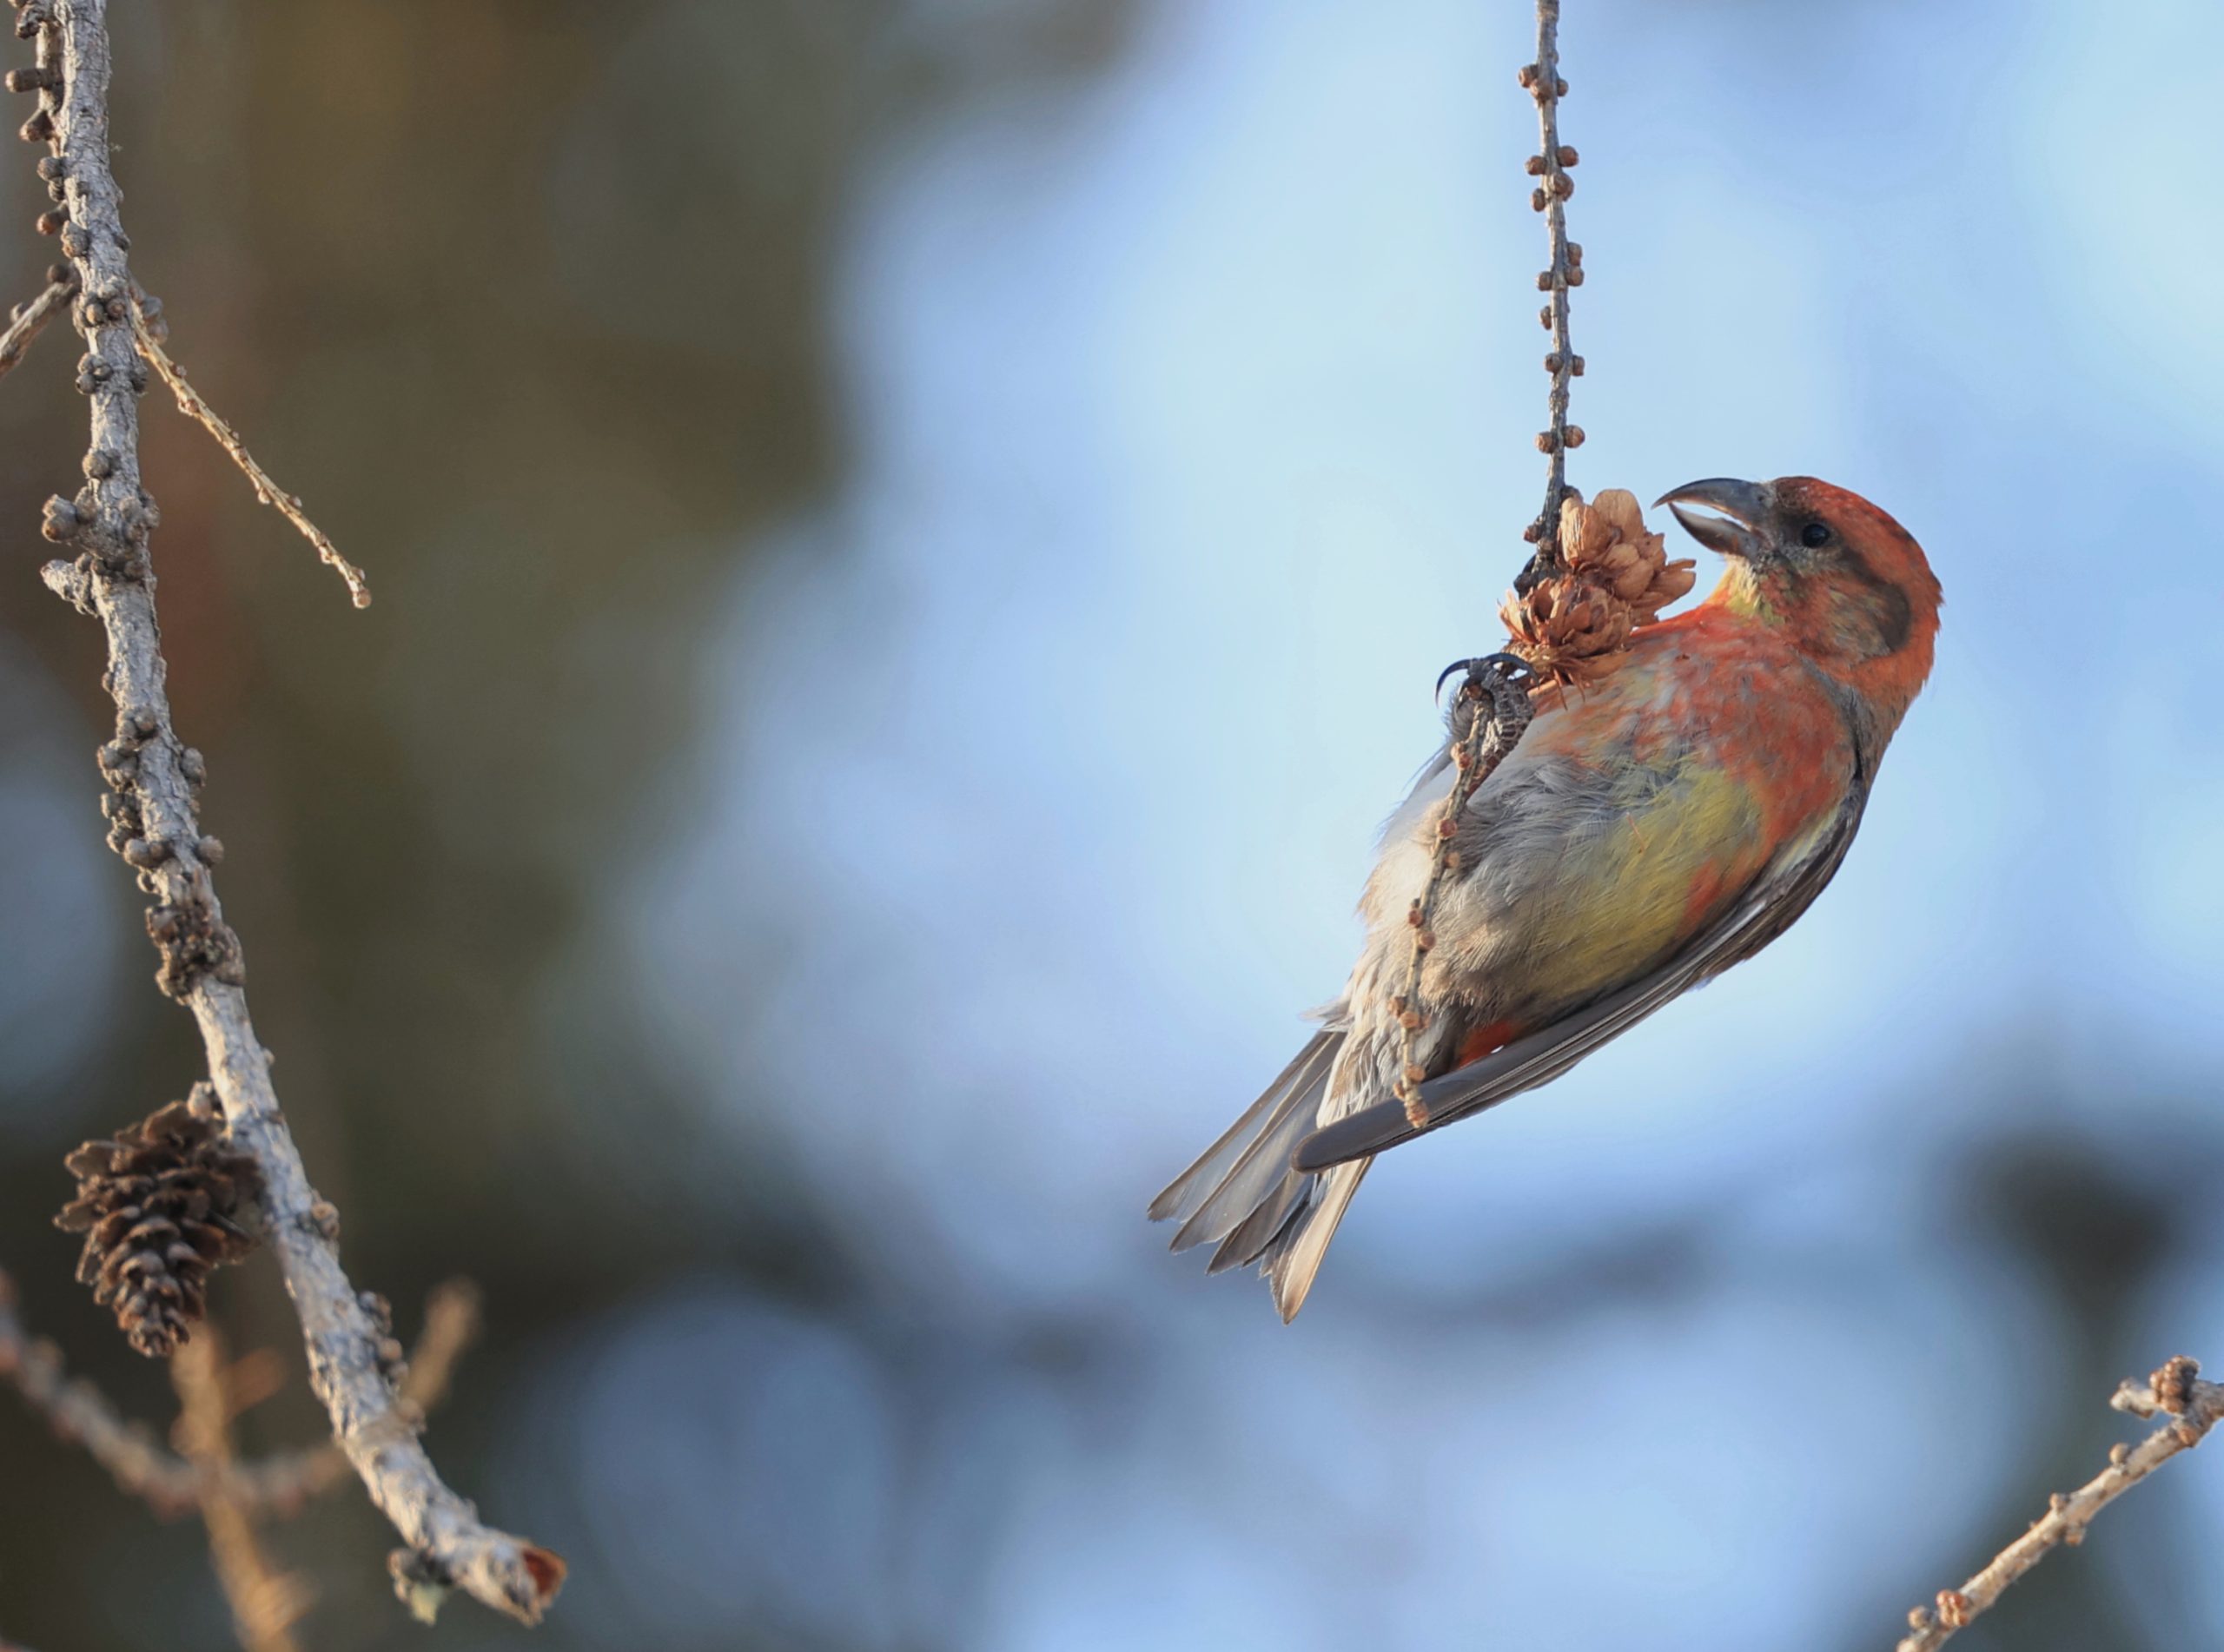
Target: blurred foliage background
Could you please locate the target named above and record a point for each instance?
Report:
(910, 538)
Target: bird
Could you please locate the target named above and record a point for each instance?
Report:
(1647, 831)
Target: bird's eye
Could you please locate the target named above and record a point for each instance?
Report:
(1814, 534)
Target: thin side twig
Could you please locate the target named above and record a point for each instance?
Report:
(31, 318)
(279, 1485)
(266, 1602)
(80, 1414)
(1549, 166)
(196, 406)
(2192, 1407)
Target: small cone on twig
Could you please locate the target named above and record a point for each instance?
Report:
(1614, 575)
(162, 1204)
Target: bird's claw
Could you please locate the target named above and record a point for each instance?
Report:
(1511, 667)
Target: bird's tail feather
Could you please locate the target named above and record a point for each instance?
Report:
(1243, 1194)
(1296, 1255)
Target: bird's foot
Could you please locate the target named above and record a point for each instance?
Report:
(1509, 668)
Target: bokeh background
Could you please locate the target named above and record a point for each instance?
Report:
(912, 538)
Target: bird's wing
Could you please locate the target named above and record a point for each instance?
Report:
(1779, 894)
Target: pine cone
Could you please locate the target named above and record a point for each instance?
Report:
(160, 1205)
(1614, 576)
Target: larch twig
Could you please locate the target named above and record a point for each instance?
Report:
(2174, 1391)
(280, 1484)
(31, 320)
(196, 406)
(155, 779)
(266, 1602)
(1549, 166)
(1496, 711)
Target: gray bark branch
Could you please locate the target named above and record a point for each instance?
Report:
(156, 777)
(2193, 1408)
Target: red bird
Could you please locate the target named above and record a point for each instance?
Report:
(1645, 833)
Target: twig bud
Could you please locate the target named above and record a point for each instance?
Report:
(146, 852)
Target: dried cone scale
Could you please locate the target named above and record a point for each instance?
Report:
(161, 1204)
(1614, 576)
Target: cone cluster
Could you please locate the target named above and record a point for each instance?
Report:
(161, 1204)
(1573, 627)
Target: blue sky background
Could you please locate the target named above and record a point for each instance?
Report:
(1192, 413)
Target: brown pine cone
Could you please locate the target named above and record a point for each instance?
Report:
(1574, 627)
(162, 1204)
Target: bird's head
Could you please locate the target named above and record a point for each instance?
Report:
(1849, 584)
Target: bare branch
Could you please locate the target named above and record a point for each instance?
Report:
(266, 1603)
(2174, 1391)
(282, 1484)
(1498, 710)
(155, 780)
(1549, 166)
(191, 403)
(31, 320)
(80, 1414)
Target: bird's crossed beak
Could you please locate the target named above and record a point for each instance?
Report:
(1741, 508)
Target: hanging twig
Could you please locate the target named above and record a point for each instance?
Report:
(266, 1602)
(196, 406)
(31, 320)
(155, 780)
(2173, 1391)
(80, 1414)
(1498, 710)
(1549, 166)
